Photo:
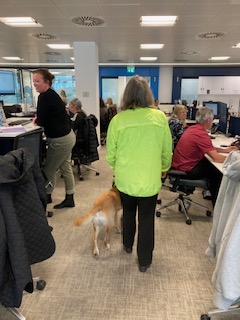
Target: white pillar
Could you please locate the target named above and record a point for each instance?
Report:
(165, 84)
(87, 77)
(122, 81)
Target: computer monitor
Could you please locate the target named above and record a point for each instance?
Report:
(223, 117)
(3, 116)
(212, 105)
(234, 126)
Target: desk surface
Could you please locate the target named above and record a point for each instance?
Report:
(28, 127)
(220, 139)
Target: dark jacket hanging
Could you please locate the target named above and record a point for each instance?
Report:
(25, 236)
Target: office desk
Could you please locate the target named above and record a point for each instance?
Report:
(31, 138)
(191, 122)
(220, 139)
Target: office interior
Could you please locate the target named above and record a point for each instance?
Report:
(179, 283)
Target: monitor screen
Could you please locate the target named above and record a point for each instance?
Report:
(213, 106)
(223, 117)
(234, 126)
(7, 84)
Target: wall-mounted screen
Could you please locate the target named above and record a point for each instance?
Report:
(7, 84)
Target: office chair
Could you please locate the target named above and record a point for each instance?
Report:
(85, 150)
(184, 187)
(78, 161)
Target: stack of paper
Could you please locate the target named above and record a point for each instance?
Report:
(18, 128)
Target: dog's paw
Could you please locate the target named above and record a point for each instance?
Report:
(107, 246)
(96, 253)
(118, 230)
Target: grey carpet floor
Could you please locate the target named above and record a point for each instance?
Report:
(79, 286)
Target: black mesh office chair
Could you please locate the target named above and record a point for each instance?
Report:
(184, 187)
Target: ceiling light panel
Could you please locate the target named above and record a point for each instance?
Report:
(20, 22)
(59, 46)
(219, 58)
(12, 58)
(158, 21)
(237, 46)
(151, 46)
(148, 58)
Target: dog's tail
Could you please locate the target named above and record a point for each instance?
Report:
(86, 218)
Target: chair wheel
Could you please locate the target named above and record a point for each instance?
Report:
(208, 213)
(41, 284)
(97, 173)
(81, 178)
(189, 221)
(158, 214)
(49, 214)
(159, 201)
(205, 317)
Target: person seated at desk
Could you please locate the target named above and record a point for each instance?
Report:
(177, 123)
(78, 120)
(189, 154)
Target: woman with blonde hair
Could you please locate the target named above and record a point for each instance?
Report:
(177, 123)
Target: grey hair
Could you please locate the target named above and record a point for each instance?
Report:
(137, 94)
(203, 114)
(76, 103)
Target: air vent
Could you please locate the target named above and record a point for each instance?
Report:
(43, 36)
(210, 35)
(189, 53)
(115, 60)
(52, 61)
(180, 60)
(88, 21)
(52, 53)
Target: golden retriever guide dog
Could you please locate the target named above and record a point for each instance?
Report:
(103, 214)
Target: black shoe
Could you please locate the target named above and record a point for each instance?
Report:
(68, 202)
(49, 198)
(144, 268)
(128, 250)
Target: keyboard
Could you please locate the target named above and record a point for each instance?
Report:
(22, 122)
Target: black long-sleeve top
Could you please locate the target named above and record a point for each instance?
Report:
(52, 115)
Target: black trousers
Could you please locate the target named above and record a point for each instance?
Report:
(146, 213)
(204, 169)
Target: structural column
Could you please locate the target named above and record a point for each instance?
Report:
(165, 84)
(87, 77)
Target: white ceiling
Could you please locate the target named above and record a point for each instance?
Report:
(120, 37)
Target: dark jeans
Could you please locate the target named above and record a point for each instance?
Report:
(146, 213)
(204, 169)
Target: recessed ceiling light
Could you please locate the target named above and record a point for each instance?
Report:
(237, 46)
(219, 58)
(158, 21)
(72, 58)
(12, 58)
(148, 58)
(59, 46)
(20, 22)
(151, 46)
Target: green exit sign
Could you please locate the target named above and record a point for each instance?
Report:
(130, 69)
